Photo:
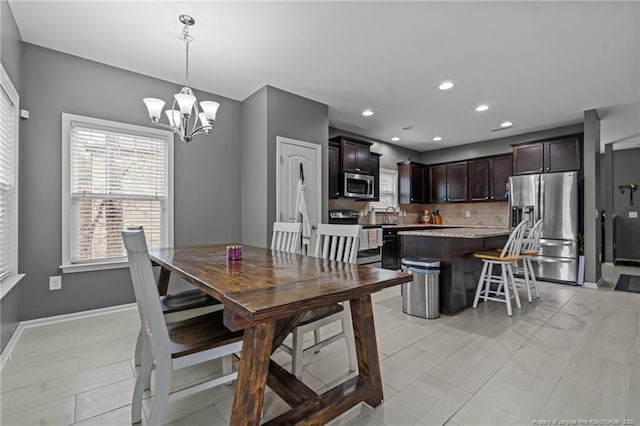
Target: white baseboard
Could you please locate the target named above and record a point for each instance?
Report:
(23, 325)
(588, 284)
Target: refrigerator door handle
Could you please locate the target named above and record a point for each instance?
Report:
(541, 202)
(557, 243)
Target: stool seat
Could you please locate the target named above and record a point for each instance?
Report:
(529, 253)
(490, 255)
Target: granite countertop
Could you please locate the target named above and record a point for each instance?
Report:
(467, 232)
(430, 226)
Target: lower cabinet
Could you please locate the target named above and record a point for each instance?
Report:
(391, 252)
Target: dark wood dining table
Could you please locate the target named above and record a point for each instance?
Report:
(265, 294)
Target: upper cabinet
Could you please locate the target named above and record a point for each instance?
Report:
(355, 155)
(488, 178)
(374, 167)
(334, 170)
(499, 172)
(411, 182)
(479, 179)
(457, 181)
(438, 183)
(555, 155)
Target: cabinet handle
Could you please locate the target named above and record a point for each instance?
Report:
(492, 197)
(540, 170)
(357, 170)
(486, 198)
(548, 168)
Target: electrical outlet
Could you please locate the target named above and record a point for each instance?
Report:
(633, 215)
(467, 213)
(55, 283)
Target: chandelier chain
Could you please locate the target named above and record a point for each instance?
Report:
(187, 38)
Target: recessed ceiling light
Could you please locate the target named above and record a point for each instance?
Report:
(481, 108)
(367, 113)
(506, 124)
(445, 85)
(437, 139)
(395, 139)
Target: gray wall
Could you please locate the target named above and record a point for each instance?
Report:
(493, 146)
(294, 117)
(268, 113)
(254, 169)
(207, 174)
(391, 154)
(622, 170)
(592, 227)
(10, 51)
(10, 44)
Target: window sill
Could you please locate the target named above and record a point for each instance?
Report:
(89, 267)
(8, 283)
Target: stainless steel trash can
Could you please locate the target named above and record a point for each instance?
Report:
(421, 298)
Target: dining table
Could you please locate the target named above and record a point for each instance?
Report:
(265, 294)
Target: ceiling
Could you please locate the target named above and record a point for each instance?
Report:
(536, 64)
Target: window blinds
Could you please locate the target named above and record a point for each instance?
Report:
(117, 179)
(387, 190)
(8, 199)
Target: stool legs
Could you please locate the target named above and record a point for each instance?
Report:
(505, 286)
(485, 265)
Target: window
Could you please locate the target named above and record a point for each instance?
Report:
(8, 180)
(388, 190)
(114, 175)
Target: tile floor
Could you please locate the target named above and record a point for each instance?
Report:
(573, 354)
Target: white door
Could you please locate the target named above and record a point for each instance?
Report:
(292, 155)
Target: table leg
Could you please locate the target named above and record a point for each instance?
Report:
(252, 374)
(367, 347)
(163, 281)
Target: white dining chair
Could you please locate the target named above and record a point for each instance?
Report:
(187, 302)
(334, 242)
(286, 237)
(505, 288)
(172, 346)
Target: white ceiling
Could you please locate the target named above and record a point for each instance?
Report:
(537, 64)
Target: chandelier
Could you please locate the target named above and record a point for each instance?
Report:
(180, 119)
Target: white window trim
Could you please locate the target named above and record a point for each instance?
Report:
(67, 119)
(395, 185)
(14, 278)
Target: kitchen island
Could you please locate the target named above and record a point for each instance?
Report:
(459, 270)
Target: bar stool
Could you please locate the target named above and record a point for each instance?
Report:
(530, 248)
(506, 288)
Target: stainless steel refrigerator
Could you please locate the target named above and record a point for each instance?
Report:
(554, 198)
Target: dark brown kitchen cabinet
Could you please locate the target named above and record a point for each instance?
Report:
(499, 172)
(479, 179)
(374, 169)
(457, 189)
(355, 157)
(334, 170)
(438, 183)
(562, 155)
(411, 183)
(555, 155)
(391, 249)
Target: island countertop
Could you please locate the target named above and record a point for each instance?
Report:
(458, 232)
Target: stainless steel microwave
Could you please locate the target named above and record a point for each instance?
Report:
(357, 185)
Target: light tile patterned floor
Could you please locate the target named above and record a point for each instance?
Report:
(572, 354)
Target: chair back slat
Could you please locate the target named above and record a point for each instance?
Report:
(286, 237)
(146, 291)
(514, 243)
(531, 241)
(337, 242)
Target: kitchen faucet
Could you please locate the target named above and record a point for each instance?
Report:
(386, 212)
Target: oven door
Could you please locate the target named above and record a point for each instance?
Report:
(368, 257)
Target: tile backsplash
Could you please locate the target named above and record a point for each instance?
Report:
(489, 214)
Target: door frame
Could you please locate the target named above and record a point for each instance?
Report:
(318, 148)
